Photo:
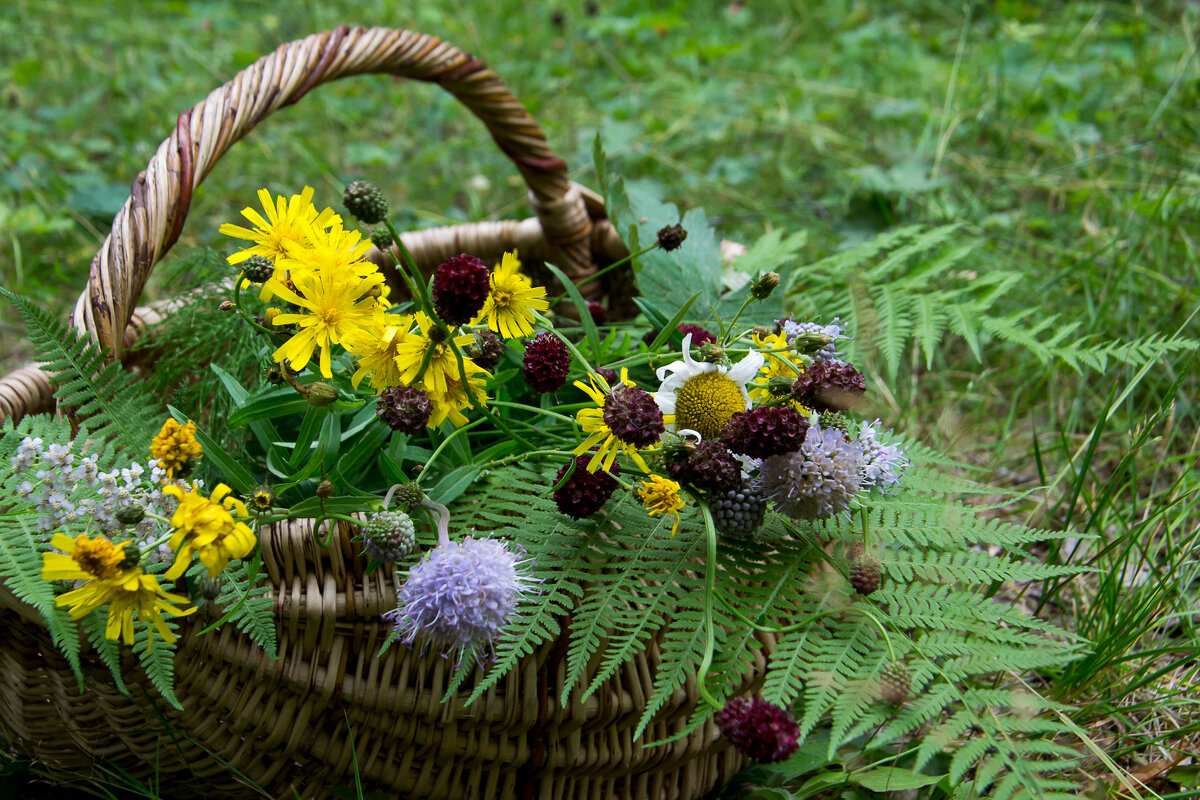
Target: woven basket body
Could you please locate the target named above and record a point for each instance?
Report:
(304, 723)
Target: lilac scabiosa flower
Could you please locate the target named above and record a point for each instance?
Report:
(460, 597)
(833, 331)
(883, 464)
(820, 479)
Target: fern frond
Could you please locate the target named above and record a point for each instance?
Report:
(158, 660)
(115, 406)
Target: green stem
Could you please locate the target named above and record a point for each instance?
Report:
(609, 268)
(736, 317)
(535, 409)
(237, 302)
(710, 591)
(410, 264)
(445, 442)
(326, 517)
(529, 454)
(495, 417)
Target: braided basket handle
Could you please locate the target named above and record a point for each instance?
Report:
(150, 221)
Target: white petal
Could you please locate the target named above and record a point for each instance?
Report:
(747, 368)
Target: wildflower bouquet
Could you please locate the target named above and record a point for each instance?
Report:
(696, 484)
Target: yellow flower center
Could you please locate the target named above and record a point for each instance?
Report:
(706, 402)
(501, 298)
(98, 557)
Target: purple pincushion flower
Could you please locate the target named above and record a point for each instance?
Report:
(883, 464)
(460, 597)
(818, 481)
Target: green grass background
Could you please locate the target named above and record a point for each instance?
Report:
(1063, 135)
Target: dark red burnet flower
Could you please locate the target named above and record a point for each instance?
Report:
(546, 363)
(599, 312)
(765, 431)
(404, 408)
(460, 288)
(584, 493)
(633, 416)
(486, 351)
(709, 466)
(758, 729)
(699, 335)
(829, 386)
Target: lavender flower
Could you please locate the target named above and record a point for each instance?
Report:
(883, 464)
(819, 480)
(833, 330)
(460, 597)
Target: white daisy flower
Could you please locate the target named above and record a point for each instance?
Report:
(703, 396)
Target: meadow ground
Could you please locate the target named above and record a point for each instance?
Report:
(1058, 138)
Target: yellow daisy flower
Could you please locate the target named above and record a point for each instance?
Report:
(513, 299)
(206, 526)
(131, 592)
(777, 365)
(375, 344)
(443, 364)
(703, 396)
(286, 221)
(662, 496)
(332, 306)
(175, 446)
(450, 404)
(638, 420)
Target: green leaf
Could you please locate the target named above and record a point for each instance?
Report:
(454, 483)
(310, 508)
(585, 317)
(313, 420)
(280, 402)
(669, 277)
(598, 159)
(368, 445)
(263, 431)
(893, 779)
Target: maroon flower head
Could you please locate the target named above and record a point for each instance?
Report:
(710, 466)
(829, 386)
(633, 416)
(599, 313)
(404, 408)
(460, 288)
(486, 350)
(699, 335)
(765, 431)
(546, 362)
(585, 492)
(758, 729)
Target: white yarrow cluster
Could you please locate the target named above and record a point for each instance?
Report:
(64, 489)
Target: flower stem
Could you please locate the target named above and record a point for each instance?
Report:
(710, 591)
(237, 302)
(443, 519)
(445, 442)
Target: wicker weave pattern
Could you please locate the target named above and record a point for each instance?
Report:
(286, 724)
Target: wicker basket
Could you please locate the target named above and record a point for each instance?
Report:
(284, 724)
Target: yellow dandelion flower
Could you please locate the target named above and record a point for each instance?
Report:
(175, 446)
(331, 305)
(450, 403)
(510, 305)
(331, 250)
(375, 344)
(206, 526)
(703, 396)
(625, 419)
(777, 365)
(286, 221)
(442, 367)
(110, 579)
(662, 496)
